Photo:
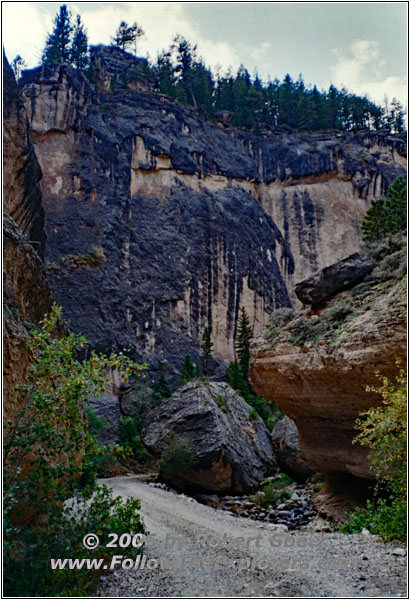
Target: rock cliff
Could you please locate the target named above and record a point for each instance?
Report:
(317, 365)
(191, 219)
(26, 293)
(21, 171)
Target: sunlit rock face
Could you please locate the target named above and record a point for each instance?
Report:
(195, 220)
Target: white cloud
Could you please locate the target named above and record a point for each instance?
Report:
(360, 71)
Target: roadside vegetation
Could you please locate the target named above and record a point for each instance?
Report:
(383, 430)
(51, 459)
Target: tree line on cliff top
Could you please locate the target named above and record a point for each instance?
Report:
(181, 73)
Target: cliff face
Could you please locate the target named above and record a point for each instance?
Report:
(27, 295)
(21, 171)
(191, 220)
(317, 369)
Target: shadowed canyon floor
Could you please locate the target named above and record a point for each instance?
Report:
(203, 552)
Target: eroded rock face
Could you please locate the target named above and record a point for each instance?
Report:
(195, 220)
(21, 171)
(26, 294)
(286, 448)
(234, 451)
(321, 385)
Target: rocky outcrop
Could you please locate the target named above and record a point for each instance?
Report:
(233, 450)
(286, 449)
(21, 171)
(333, 279)
(194, 219)
(319, 378)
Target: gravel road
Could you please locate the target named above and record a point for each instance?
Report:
(198, 551)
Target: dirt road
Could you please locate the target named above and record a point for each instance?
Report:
(197, 551)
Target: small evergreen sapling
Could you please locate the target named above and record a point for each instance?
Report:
(243, 342)
(207, 346)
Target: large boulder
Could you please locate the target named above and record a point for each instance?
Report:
(233, 450)
(286, 448)
(333, 279)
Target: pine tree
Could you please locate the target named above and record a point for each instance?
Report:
(57, 48)
(17, 65)
(387, 216)
(234, 377)
(396, 206)
(79, 46)
(374, 224)
(127, 35)
(161, 390)
(187, 372)
(206, 346)
(243, 341)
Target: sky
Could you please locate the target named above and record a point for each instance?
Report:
(361, 46)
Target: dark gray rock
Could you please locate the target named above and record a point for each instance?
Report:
(135, 399)
(234, 451)
(333, 279)
(107, 407)
(286, 448)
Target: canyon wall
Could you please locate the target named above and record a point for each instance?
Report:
(321, 381)
(189, 220)
(26, 293)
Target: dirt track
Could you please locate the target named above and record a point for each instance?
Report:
(203, 552)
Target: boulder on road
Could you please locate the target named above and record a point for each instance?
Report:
(233, 450)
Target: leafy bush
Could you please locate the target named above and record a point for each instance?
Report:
(28, 551)
(392, 266)
(384, 431)
(339, 311)
(49, 457)
(304, 330)
(273, 492)
(381, 517)
(278, 319)
(253, 414)
(179, 455)
(220, 400)
(130, 435)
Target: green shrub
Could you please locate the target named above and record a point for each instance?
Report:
(178, 456)
(279, 319)
(338, 312)
(384, 431)
(130, 436)
(273, 492)
(49, 458)
(305, 330)
(382, 517)
(220, 400)
(253, 414)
